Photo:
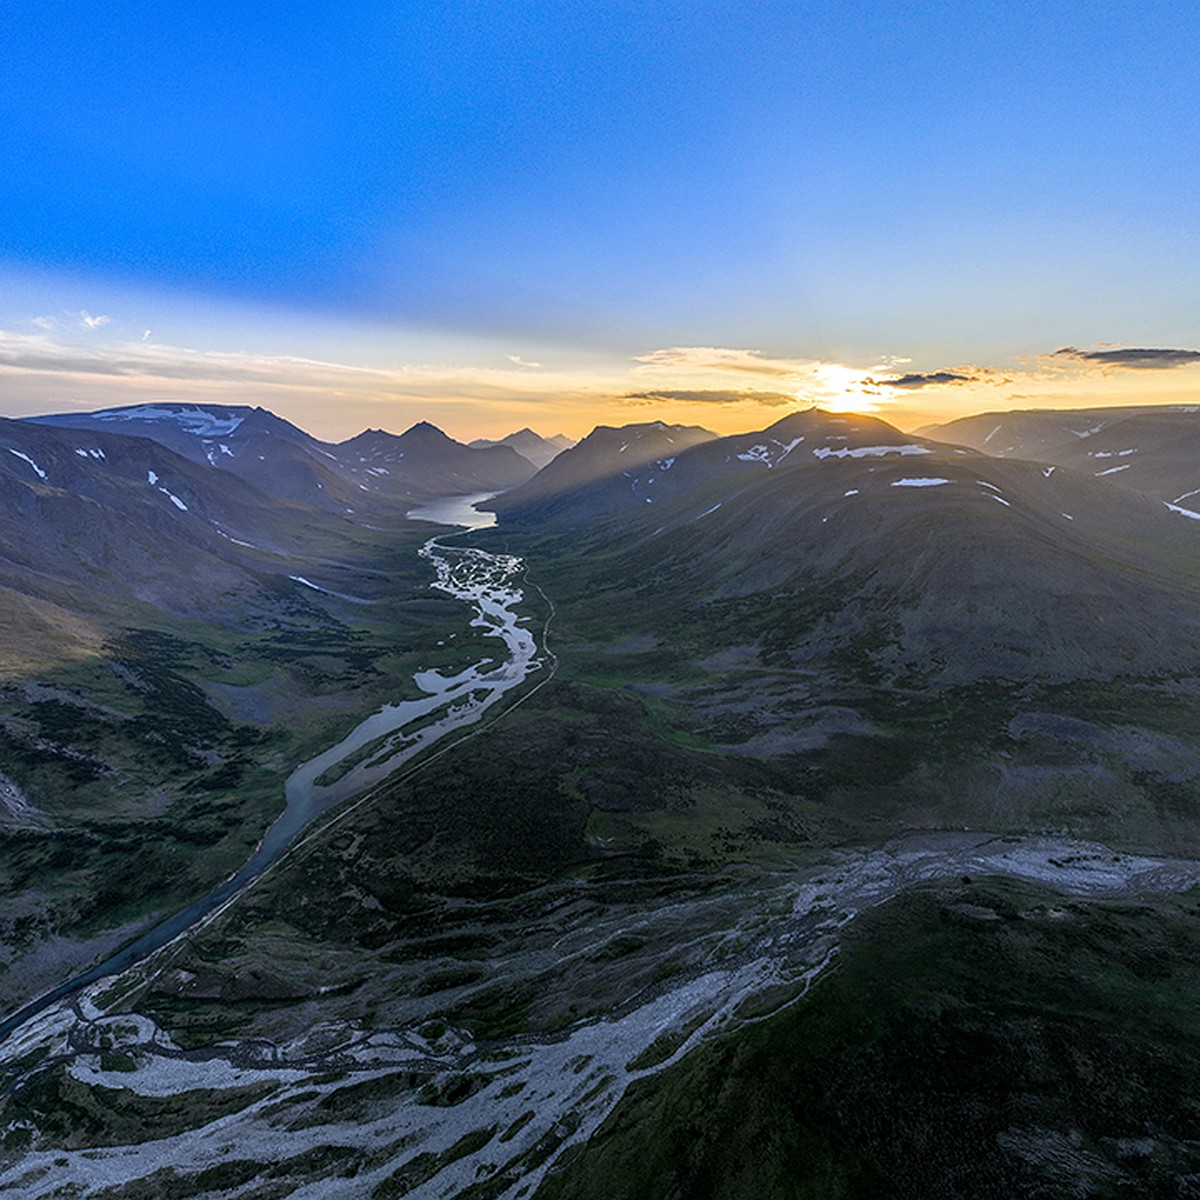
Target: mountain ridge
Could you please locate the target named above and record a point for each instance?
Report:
(366, 471)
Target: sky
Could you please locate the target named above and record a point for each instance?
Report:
(491, 215)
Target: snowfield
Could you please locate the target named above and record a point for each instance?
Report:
(191, 420)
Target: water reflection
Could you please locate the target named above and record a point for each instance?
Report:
(455, 510)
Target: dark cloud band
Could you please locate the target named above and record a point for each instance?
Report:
(932, 379)
(1139, 358)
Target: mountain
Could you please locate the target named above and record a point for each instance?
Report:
(371, 471)
(1153, 449)
(251, 443)
(423, 462)
(98, 521)
(532, 446)
(838, 533)
(593, 477)
(621, 470)
(814, 638)
(173, 640)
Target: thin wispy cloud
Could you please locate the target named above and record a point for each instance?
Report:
(41, 372)
(832, 385)
(712, 396)
(91, 322)
(717, 358)
(517, 360)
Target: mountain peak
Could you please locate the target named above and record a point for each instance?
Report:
(423, 429)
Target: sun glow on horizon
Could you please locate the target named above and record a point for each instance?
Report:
(87, 348)
(842, 389)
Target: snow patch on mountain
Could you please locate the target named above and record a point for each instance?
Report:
(867, 451)
(920, 481)
(1183, 512)
(26, 458)
(770, 454)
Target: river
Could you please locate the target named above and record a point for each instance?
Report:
(380, 745)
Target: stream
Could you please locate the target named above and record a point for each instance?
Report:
(378, 746)
(546, 1092)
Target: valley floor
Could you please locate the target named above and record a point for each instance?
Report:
(428, 1110)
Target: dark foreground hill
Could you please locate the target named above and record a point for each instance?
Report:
(976, 1039)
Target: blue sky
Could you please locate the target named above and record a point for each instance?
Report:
(943, 183)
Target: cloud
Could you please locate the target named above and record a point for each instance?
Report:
(46, 323)
(90, 322)
(520, 362)
(717, 358)
(146, 335)
(918, 380)
(42, 370)
(713, 396)
(1137, 358)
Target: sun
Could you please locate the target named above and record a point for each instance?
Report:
(840, 389)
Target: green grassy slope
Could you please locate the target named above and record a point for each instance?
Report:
(979, 1039)
(148, 769)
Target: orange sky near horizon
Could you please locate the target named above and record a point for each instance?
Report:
(488, 394)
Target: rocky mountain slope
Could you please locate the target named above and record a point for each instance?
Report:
(830, 532)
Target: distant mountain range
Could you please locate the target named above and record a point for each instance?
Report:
(975, 564)
(278, 458)
(193, 512)
(537, 449)
(1153, 449)
(600, 475)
